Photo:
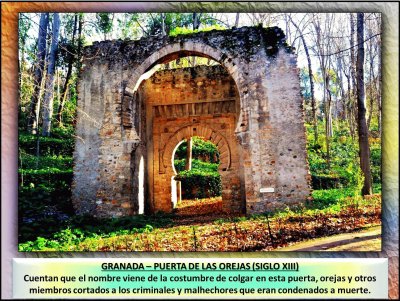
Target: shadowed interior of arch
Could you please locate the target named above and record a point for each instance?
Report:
(196, 187)
(177, 60)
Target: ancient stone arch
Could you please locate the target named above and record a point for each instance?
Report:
(128, 125)
(202, 131)
(205, 132)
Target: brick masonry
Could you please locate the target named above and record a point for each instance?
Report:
(130, 121)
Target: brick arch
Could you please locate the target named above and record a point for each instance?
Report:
(176, 50)
(198, 48)
(202, 131)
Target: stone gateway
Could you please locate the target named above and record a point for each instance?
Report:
(131, 120)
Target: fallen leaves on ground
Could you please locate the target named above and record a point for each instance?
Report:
(199, 207)
(204, 232)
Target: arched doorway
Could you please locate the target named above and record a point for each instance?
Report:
(186, 102)
(197, 178)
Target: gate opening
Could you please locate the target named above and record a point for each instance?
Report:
(198, 184)
(194, 98)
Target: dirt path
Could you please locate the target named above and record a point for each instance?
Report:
(366, 240)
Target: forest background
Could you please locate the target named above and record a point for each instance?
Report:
(339, 57)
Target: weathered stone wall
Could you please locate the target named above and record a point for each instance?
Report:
(114, 124)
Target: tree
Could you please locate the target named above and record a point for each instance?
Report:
(322, 45)
(352, 73)
(105, 23)
(362, 123)
(70, 58)
(188, 163)
(196, 21)
(310, 74)
(34, 108)
(23, 29)
(80, 45)
(48, 97)
(237, 19)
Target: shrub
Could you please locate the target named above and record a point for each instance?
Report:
(196, 164)
(201, 150)
(343, 169)
(187, 31)
(47, 145)
(48, 176)
(200, 184)
(328, 181)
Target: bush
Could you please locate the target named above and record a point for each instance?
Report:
(343, 169)
(48, 176)
(196, 164)
(52, 234)
(201, 150)
(328, 181)
(48, 146)
(200, 184)
(376, 162)
(30, 162)
(187, 31)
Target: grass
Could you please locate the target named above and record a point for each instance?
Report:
(331, 212)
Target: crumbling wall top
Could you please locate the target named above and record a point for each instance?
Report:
(243, 42)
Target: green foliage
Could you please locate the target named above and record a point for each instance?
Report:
(196, 165)
(23, 28)
(203, 180)
(77, 229)
(338, 207)
(172, 21)
(54, 163)
(200, 184)
(44, 183)
(328, 181)
(129, 25)
(344, 167)
(186, 31)
(105, 22)
(325, 198)
(201, 150)
(376, 161)
(305, 84)
(48, 176)
(48, 146)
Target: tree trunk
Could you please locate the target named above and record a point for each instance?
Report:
(196, 21)
(372, 85)
(349, 104)
(362, 124)
(34, 108)
(23, 34)
(79, 51)
(328, 120)
(48, 97)
(163, 30)
(379, 92)
(237, 20)
(188, 163)
(328, 109)
(352, 67)
(71, 58)
(310, 75)
(313, 102)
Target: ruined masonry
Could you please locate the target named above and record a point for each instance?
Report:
(132, 119)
